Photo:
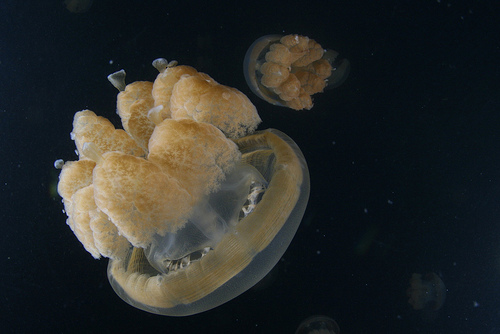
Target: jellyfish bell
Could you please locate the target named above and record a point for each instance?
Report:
(254, 59)
(287, 70)
(341, 67)
(78, 6)
(192, 207)
(427, 292)
(318, 324)
(245, 246)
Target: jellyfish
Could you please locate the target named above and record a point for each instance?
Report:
(318, 324)
(287, 70)
(426, 292)
(191, 205)
(78, 6)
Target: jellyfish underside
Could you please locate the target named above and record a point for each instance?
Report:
(426, 292)
(318, 324)
(284, 76)
(191, 206)
(212, 217)
(248, 248)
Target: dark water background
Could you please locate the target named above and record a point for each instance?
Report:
(404, 159)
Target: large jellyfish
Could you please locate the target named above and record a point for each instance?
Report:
(189, 203)
(287, 70)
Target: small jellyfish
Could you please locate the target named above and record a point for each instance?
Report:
(78, 6)
(318, 324)
(426, 293)
(287, 70)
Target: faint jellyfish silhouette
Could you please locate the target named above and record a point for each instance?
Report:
(318, 324)
(426, 293)
(287, 70)
(78, 6)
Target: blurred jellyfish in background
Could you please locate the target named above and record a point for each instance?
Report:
(426, 294)
(78, 6)
(287, 70)
(318, 324)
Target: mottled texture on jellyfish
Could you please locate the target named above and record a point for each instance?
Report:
(186, 160)
(427, 292)
(276, 74)
(230, 267)
(107, 240)
(210, 155)
(90, 128)
(79, 219)
(133, 105)
(204, 100)
(318, 324)
(138, 197)
(288, 70)
(76, 175)
(164, 84)
(307, 51)
(184, 210)
(92, 228)
(186, 93)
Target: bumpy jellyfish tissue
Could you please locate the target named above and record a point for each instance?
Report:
(189, 203)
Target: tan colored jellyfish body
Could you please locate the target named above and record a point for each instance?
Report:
(92, 228)
(287, 70)
(204, 100)
(133, 105)
(164, 84)
(90, 128)
(191, 207)
(145, 192)
(211, 155)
